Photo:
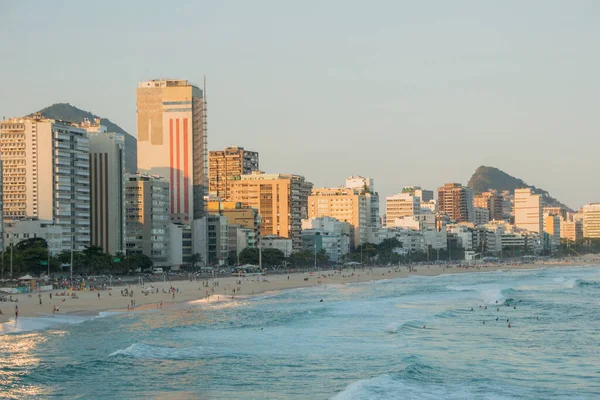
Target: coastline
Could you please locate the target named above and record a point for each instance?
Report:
(89, 305)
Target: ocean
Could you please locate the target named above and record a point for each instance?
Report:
(413, 338)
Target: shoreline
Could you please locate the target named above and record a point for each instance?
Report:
(89, 305)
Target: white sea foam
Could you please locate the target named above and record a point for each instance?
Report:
(392, 327)
(387, 387)
(146, 351)
(30, 324)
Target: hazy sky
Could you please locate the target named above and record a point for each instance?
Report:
(406, 92)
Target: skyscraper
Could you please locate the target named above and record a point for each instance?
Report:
(45, 175)
(225, 166)
(528, 211)
(171, 134)
(107, 191)
(457, 202)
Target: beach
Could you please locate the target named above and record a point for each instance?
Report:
(221, 289)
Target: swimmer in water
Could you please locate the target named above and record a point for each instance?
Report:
(509, 325)
(321, 301)
(496, 318)
(471, 308)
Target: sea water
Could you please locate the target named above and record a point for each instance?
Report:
(414, 338)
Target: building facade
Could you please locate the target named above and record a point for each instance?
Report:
(329, 234)
(225, 166)
(107, 191)
(493, 202)
(281, 200)
(214, 246)
(591, 221)
(45, 175)
(528, 211)
(171, 134)
(18, 230)
(401, 205)
(147, 214)
(456, 201)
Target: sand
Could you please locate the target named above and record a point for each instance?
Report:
(88, 303)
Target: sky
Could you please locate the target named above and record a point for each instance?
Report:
(405, 92)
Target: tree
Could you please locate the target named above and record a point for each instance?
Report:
(322, 257)
(249, 256)
(135, 261)
(195, 259)
(385, 251)
(272, 257)
(301, 258)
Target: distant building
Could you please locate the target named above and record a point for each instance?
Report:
(18, 230)
(528, 211)
(482, 216)
(45, 171)
(171, 135)
(107, 191)
(147, 229)
(213, 243)
(326, 233)
(236, 213)
(281, 200)
(424, 195)
(591, 221)
(401, 205)
(225, 166)
(552, 229)
(456, 201)
(571, 230)
(277, 242)
(367, 185)
(493, 202)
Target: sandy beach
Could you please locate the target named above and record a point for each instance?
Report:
(89, 303)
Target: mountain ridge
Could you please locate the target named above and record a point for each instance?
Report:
(70, 113)
(486, 178)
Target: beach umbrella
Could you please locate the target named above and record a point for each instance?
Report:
(26, 278)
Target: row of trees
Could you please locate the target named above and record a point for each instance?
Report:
(32, 256)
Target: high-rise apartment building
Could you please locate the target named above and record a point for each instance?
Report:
(401, 205)
(456, 201)
(171, 134)
(571, 230)
(107, 191)
(425, 195)
(367, 186)
(351, 205)
(552, 230)
(45, 175)
(528, 211)
(147, 211)
(281, 200)
(591, 221)
(236, 213)
(95, 126)
(493, 202)
(225, 166)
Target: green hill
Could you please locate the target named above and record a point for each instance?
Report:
(486, 178)
(67, 112)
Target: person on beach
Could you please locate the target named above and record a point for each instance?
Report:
(98, 295)
(16, 312)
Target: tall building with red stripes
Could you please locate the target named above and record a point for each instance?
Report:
(171, 134)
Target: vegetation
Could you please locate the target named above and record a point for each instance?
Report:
(31, 256)
(486, 178)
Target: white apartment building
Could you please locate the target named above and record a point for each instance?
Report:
(18, 230)
(368, 186)
(329, 233)
(412, 241)
(107, 194)
(528, 211)
(591, 221)
(45, 175)
(277, 242)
